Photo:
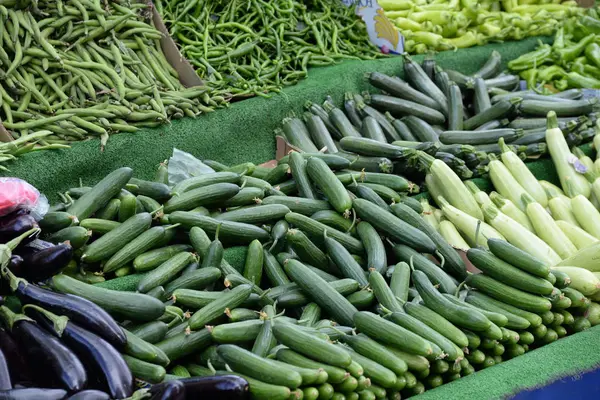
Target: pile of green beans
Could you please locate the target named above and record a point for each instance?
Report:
(253, 47)
(80, 68)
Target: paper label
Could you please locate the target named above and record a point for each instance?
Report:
(381, 30)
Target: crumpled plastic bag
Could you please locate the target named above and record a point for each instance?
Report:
(183, 165)
(17, 194)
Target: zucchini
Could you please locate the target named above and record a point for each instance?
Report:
(204, 196)
(421, 263)
(518, 258)
(509, 295)
(325, 179)
(134, 306)
(506, 273)
(481, 97)
(153, 258)
(213, 310)
(113, 241)
(144, 242)
(100, 194)
(319, 132)
(419, 79)
(399, 88)
(333, 161)
(196, 299)
(340, 121)
(421, 129)
(480, 136)
(368, 164)
(498, 111)
(371, 129)
(146, 371)
(455, 108)
(394, 182)
(316, 231)
(438, 323)
(230, 231)
(391, 334)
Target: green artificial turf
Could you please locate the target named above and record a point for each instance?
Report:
(244, 132)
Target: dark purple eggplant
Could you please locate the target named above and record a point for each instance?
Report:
(98, 356)
(14, 225)
(51, 362)
(170, 390)
(33, 393)
(43, 262)
(224, 387)
(19, 371)
(79, 310)
(5, 383)
(90, 395)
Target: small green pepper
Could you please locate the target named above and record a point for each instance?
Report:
(532, 59)
(550, 73)
(592, 52)
(579, 81)
(568, 54)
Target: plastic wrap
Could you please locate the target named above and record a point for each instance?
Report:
(17, 194)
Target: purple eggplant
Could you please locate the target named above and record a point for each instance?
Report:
(77, 309)
(90, 395)
(42, 260)
(17, 366)
(223, 387)
(51, 362)
(95, 353)
(33, 393)
(5, 383)
(170, 390)
(14, 225)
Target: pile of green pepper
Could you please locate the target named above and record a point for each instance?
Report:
(572, 61)
(253, 47)
(74, 68)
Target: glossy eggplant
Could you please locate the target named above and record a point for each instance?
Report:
(51, 362)
(33, 393)
(90, 395)
(95, 353)
(224, 387)
(17, 366)
(14, 225)
(43, 262)
(170, 390)
(77, 309)
(5, 383)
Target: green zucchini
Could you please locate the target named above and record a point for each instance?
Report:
(371, 129)
(278, 174)
(374, 148)
(325, 179)
(229, 231)
(203, 196)
(438, 323)
(497, 111)
(393, 182)
(210, 312)
(368, 164)
(455, 108)
(334, 161)
(480, 136)
(134, 306)
(421, 129)
(402, 107)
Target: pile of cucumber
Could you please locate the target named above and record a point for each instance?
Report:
(347, 291)
(453, 117)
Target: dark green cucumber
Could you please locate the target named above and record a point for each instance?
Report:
(151, 238)
(506, 273)
(153, 258)
(143, 350)
(310, 315)
(210, 312)
(321, 292)
(402, 107)
(335, 374)
(253, 267)
(134, 306)
(306, 250)
(368, 164)
(204, 196)
(146, 371)
(335, 220)
(391, 334)
(236, 332)
(388, 195)
(400, 281)
(374, 148)
(241, 314)
(297, 135)
(57, 220)
(325, 179)
(229, 231)
(376, 372)
(383, 293)
(195, 299)
(151, 332)
(367, 347)
(496, 318)
(437, 322)
(278, 174)
(508, 294)
(128, 206)
(245, 197)
(273, 270)
(361, 299)
(148, 204)
(113, 241)
(206, 180)
(368, 194)
(393, 182)
(333, 161)
(395, 228)
(185, 344)
(421, 263)
(298, 204)
(77, 236)
(195, 280)
(255, 215)
(155, 190)
(298, 167)
(374, 247)
(298, 298)
(100, 194)
(344, 261)
(517, 318)
(481, 97)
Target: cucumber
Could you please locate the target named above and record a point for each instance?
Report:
(400, 281)
(110, 211)
(185, 344)
(306, 250)
(374, 246)
(134, 306)
(517, 318)
(335, 374)
(99, 226)
(394, 182)
(151, 332)
(578, 300)
(128, 205)
(474, 339)
(77, 236)
(361, 299)
(321, 175)
(496, 318)
(57, 220)
(153, 258)
(146, 371)
(369, 194)
(260, 214)
(195, 280)
(245, 197)
(155, 190)
(273, 270)
(376, 372)
(383, 293)
(203, 196)
(298, 298)
(391, 334)
(110, 243)
(297, 165)
(518, 258)
(204, 180)
(298, 204)
(344, 261)
(315, 348)
(562, 279)
(420, 263)
(369, 348)
(229, 231)
(333, 219)
(100, 194)
(210, 312)
(144, 242)
(143, 350)
(253, 266)
(509, 295)
(438, 323)
(396, 229)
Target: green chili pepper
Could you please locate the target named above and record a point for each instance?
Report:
(568, 54)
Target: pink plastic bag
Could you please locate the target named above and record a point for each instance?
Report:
(17, 194)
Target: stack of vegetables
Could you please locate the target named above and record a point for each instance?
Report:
(252, 48)
(344, 293)
(73, 70)
(441, 25)
(572, 61)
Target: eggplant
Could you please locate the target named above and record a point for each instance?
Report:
(224, 387)
(42, 260)
(17, 366)
(15, 224)
(5, 383)
(33, 393)
(90, 395)
(79, 310)
(99, 356)
(170, 390)
(51, 362)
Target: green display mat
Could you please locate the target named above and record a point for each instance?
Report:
(244, 132)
